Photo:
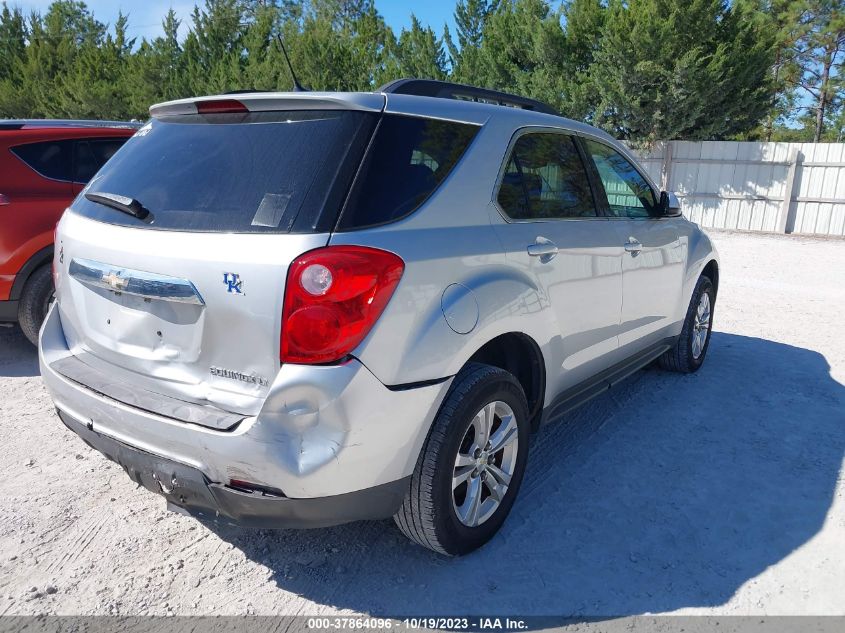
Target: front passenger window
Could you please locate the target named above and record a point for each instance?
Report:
(628, 194)
(545, 179)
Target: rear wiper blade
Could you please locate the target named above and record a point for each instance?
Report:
(122, 203)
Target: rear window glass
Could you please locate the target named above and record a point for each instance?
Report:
(255, 172)
(408, 159)
(52, 159)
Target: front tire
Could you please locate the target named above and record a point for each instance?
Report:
(35, 301)
(471, 466)
(689, 351)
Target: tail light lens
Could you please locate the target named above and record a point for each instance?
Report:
(4, 200)
(333, 297)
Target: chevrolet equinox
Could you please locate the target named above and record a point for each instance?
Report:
(302, 309)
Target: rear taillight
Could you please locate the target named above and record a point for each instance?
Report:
(4, 200)
(333, 297)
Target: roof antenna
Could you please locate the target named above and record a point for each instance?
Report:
(297, 87)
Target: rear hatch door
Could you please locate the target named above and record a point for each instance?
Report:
(185, 299)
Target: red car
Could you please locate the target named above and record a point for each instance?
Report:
(43, 165)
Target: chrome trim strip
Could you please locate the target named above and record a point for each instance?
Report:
(134, 282)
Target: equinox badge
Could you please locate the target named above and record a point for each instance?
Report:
(236, 375)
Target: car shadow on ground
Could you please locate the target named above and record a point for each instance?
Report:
(18, 357)
(670, 491)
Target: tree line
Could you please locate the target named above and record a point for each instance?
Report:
(644, 70)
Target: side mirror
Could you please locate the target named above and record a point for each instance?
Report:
(669, 204)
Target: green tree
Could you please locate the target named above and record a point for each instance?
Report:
(213, 47)
(470, 19)
(342, 45)
(12, 58)
(156, 72)
(786, 20)
(820, 54)
(584, 21)
(12, 40)
(92, 86)
(419, 53)
(670, 69)
(522, 51)
(54, 44)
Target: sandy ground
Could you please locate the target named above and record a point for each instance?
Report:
(720, 492)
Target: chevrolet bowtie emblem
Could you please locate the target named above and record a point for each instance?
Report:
(115, 281)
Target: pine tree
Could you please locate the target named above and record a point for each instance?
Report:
(670, 69)
(522, 51)
(471, 16)
(213, 47)
(12, 40)
(91, 88)
(584, 20)
(418, 53)
(786, 20)
(12, 55)
(820, 54)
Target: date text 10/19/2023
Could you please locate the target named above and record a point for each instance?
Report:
(353, 623)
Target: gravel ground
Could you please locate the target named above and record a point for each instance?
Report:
(716, 493)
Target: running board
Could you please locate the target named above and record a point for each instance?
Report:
(581, 393)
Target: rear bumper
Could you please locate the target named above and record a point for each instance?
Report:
(8, 311)
(323, 432)
(189, 490)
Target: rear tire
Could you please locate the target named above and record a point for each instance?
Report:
(35, 301)
(485, 407)
(689, 351)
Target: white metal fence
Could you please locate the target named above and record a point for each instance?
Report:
(779, 187)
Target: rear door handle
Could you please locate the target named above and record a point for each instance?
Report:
(543, 248)
(633, 246)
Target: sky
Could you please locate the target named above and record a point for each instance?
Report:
(145, 15)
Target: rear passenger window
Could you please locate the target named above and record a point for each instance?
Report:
(91, 155)
(545, 179)
(408, 159)
(628, 193)
(51, 159)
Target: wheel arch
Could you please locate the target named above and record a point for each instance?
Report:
(520, 355)
(711, 269)
(39, 259)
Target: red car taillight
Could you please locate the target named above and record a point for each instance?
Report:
(333, 297)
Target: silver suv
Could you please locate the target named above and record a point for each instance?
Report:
(303, 309)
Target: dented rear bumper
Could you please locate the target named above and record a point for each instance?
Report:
(323, 431)
(188, 490)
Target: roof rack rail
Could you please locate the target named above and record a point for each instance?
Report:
(461, 92)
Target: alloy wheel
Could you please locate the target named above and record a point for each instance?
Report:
(485, 463)
(701, 326)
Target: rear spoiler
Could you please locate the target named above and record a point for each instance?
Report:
(270, 102)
